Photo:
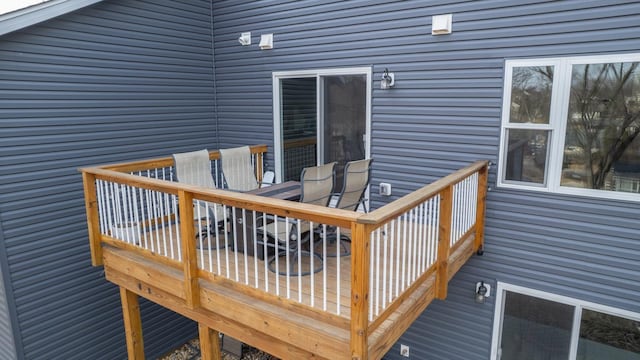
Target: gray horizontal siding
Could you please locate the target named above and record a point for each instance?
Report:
(116, 81)
(443, 113)
(7, 341)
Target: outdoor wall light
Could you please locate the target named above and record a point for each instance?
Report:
(245, 39)
(388, 80)
(483, 291)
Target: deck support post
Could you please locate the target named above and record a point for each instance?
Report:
(93, 218)
(259, 167)
(483, 175)
(444, 242)
(360, 254)
(209, 343)
(132, 324)
(189, 255)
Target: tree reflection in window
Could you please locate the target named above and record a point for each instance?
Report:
(602, 150)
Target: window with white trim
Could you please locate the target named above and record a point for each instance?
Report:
(532, 324)
(572, 125)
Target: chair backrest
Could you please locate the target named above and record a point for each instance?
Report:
(194, 168)
(317, 183)
(268, 177)
(356, 180)
(237, 169)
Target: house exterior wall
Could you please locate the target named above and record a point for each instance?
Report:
(7, 341)
(119, 80)
(444, 113)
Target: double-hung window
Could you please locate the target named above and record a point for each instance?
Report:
(572, 125)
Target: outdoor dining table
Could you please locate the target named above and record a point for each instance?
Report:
(289, 190)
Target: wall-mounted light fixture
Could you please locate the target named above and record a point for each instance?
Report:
(388, 80)
(266, 41)
(483, 291)
(245, 39)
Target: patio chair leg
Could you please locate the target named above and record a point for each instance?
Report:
(345, 246)
(293, 263)
(207, 231)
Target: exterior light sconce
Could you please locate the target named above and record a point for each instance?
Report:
(483, 291)
(245, 39)
(388, 80)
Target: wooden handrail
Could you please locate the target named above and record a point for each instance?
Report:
(167, 161)
(400, 206)
(336, 217)
(299, 142)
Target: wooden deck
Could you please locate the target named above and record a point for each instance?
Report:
(333, 272)
(402, 257)
(282, 328)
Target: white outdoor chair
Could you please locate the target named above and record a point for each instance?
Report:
(194, 168)
(237, 169)
(288, 236)
(357, 175)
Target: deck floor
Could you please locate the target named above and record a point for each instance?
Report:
(328, 289)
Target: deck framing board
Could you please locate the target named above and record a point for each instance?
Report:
(266, 326)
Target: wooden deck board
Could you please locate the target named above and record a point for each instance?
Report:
(237, 271)
(251, 271)
(278, 330)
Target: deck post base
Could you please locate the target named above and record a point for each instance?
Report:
(209, 343)
(132, 324)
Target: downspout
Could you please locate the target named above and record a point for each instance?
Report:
(215, 90)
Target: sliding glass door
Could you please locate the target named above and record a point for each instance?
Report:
(320, 117)
(535, 325)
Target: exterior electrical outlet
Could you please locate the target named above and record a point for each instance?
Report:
(385, 189)
(404, 350)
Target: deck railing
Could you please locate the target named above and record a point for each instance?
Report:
(139, 207)
(412, 238)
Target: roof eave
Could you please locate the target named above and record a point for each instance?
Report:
(35, 14)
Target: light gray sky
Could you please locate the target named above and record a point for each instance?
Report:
(11, 5)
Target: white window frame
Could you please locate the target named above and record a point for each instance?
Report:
(557, 124)
(578, 305)
(317, 74)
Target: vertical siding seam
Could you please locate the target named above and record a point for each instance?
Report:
(213, 75)
(5, 281)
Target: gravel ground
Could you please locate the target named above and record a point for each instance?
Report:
(191, 351)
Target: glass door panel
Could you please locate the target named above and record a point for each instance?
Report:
(535, 329)
(604, 336)
(299, 125)
(343, 121)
